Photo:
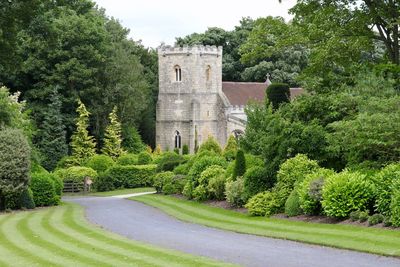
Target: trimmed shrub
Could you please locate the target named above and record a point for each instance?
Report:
(104, 183)
(188, 189)
(292, 205)
(200, 193)
(310, 191)
(43, 190)
(355, 215)
(375, 219)
(216, 187)
(185, 150)
(346, 192)
(253, 161)
(175, 186)
(58, 184)
(384, 181)
(168, 161)
(182, 169)
(15, 166)
(65, 162)
(76, 174)
(129, 176)
(144, 158)
(160, 179)
(35, 167)
(240, 165)
(214, 173)
(210, 145)
(395, 204)
(230, 149)
(128, 159)
(202, 164)
(26, 199)
(256, 180)
(100, 163)
(292, 172)
(234, 192)
(263, 204)
(363, 216)
(278, 93)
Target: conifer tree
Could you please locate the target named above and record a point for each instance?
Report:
(53, 142)
(240, 165)
(231, 148)
(113, 137)
(82, 144)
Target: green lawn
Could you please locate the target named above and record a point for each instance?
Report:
(373, 240)
(61, 236)
(114, 192)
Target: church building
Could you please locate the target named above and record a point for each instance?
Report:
(194, 102)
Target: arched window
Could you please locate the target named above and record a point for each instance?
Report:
(178, 73)
(178, 140)
(208, 73)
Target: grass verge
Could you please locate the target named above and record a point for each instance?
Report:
(378, 241)
(60, 236)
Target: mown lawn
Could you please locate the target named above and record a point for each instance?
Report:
(123, 192)
(60, 236)
(373, 240)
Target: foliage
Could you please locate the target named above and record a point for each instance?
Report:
(128, 159)
(26, 199)
(354, 215)
(230, 149)
(113, 137)
(310, 191)
(58, 184)
(130, 176)
(277, 94)
(82, 144)
(144, 158)
(160, 179)
(212, 181)
(395, 204)
(14, 163)
(168, 161)
(52, 136)
(176, 150)
(292, 205)
(363, 216)
(216, 187)
(234, 192)
(346, 192)
(188, 189)
(201, 164)
(385, 181)
(263, 204)
(256, 180)
(100, 163)
(200, 193)
(131, 140)
(76, 174)
(240, 164)
(182, 169)
(43, 189)
(104, 183)
(185, 149)
(375, 219)
(210, 145)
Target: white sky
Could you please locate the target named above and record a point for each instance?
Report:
(156, 21)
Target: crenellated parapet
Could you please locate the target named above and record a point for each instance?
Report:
(166, 50)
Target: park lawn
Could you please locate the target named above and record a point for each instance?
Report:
(123, 192)
(372, 240)
(60, 236)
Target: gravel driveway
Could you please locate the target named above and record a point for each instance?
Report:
(143, 223)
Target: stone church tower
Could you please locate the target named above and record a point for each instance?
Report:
(191, 105)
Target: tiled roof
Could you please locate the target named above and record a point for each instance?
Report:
(239, 93)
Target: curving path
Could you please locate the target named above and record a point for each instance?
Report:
(143, 223)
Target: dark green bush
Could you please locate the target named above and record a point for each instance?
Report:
(168, 161)
(65, 162)
(387, 222)
(210, 145)
(104, 183)
(42, 186)
(234, 192)
(278, 93)
(185, 150)
(129, 176)
(144, 158)
(363, 216)
(384, 181)
(240, 164)
(292, 205)
(310, 191)
(15, 166)
(58, 184)
(176, 150)
(128, 159)
(263, 204)
(375, 219)
(256, 180)
(100, 163)
(26, 199)
(355, 215)
(346, 192)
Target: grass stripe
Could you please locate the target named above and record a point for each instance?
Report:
(379, 241)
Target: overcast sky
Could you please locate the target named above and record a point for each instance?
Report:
(156, 21)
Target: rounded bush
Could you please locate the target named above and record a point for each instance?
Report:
(230, 149)
(213, 173)
(363, 216)
(234, 192)
(182, 169)
(104, 183)
(375, 219)
(43, 190)
(26, 199)
(160, 179)
(256, 180)
(310, 191)
(185, 150)
(263, 204)
(100, 163)
(127, 159)
(202, 164)
(384, 181)
(58, 184)
(210, 145)
(216, 187)
(144, 158)
(77, 174)
(346, 192)
(168, 161)
(354, 215)
(15, 166)
(278, 93)
(292, 205)
(188, 189)
(200, 193)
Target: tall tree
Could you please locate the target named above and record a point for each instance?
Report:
(82, 144)
(53, 143)
(113, 139)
